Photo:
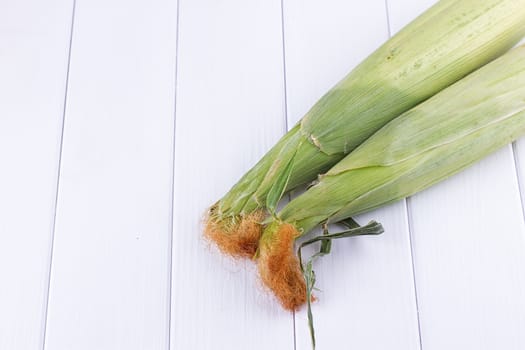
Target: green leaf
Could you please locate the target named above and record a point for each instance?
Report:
(349, 223)
(372, 228)
(309, 277)
(276, 192)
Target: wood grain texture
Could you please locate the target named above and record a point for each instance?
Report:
(469, 249)
(34, 46)
(110, 270)
(366, 282)
(230, 110)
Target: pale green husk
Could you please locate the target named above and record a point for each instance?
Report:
(447, 42)
(438, 138)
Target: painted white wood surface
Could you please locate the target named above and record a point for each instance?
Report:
(469, 249)
(366, 282)
(110, 273)
(34, 46)
(230, 111)
(119, 280)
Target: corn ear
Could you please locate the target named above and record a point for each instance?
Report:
(444, 44)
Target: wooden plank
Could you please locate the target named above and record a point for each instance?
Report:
(469, 249)
(230, 111)
(110, 271)
(34, 46)
(366, 282)
(469, 259)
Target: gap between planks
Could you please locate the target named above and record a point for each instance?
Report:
(171, 218)
(57, 184)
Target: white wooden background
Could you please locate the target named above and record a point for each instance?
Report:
(122, 120)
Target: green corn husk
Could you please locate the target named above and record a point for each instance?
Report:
(441, 46)
(430, 142)
(443, 135)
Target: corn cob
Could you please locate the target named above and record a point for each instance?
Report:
(445, 43)
(448, 132)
